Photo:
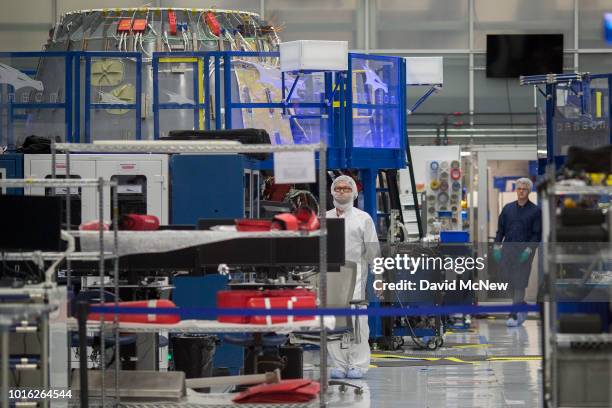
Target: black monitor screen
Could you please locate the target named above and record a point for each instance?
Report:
(29, 223)
(510, 56)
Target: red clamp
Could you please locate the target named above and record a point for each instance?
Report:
(212, 23)
(140, 25)
(172, 22)
(124, 26)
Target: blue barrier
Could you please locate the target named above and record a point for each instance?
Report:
(199, 312)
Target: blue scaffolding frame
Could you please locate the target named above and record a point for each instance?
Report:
(196, 106)
(10, 105)
(336, 107)
(137, 106)
(72, 80)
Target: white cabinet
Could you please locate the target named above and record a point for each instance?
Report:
(142, 178)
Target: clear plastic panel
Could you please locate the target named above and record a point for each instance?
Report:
(112, 81)
(258, 80)
(37, 82)
(581, 122)
(175, 119)
(376, 86)
(175, 82)
(112, 124)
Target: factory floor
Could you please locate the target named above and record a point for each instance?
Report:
(508, 373)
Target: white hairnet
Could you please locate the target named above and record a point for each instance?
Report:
(349, 181)
(525, 181)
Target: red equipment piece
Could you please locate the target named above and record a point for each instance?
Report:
(287, 292)
(141, 318)
(248, 224)
(124, 26)
(285, 221)
(139, 222)
(139, 25)
(286, 391)
(294, 302)
(237, 299)
(171, 22)
(212, 23)
(308, 219)
(93, 226)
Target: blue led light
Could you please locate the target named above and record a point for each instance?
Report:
(607, 27)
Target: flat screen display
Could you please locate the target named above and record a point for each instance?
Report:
(30, 223)
(513, 55)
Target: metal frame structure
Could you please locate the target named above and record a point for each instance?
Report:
(223, 101)
(341, 152)
(72, 81)
(11, 315)
(192, 147)
(136, 106)
(69, 183)
(10, 105)
(195, 58)
(337, 107)
(552, 257)
(550, 82)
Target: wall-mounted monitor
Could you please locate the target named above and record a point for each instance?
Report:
(513, 55)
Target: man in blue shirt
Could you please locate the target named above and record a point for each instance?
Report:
(519, 230)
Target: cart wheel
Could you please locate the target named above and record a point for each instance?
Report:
(432, 344)
(342, 388)
(358, 391)
(440, 341)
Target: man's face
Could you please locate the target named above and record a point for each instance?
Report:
(522, 192)
(343, 192)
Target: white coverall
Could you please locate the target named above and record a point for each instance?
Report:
(361, 246)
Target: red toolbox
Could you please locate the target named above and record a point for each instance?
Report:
(140, 318)
(235, 299)
(241, 299)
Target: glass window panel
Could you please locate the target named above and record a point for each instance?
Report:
(375, 87)
(112, 124)
(523, 17)
(43, 88)
(422, 24)
(316, 20)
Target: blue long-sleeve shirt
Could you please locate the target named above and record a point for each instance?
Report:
(519, 224)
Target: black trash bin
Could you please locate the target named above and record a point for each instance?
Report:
(193, 354)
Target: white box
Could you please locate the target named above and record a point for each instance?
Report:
(424, 70)
(314, 55)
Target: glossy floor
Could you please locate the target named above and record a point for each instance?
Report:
(482, 384)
